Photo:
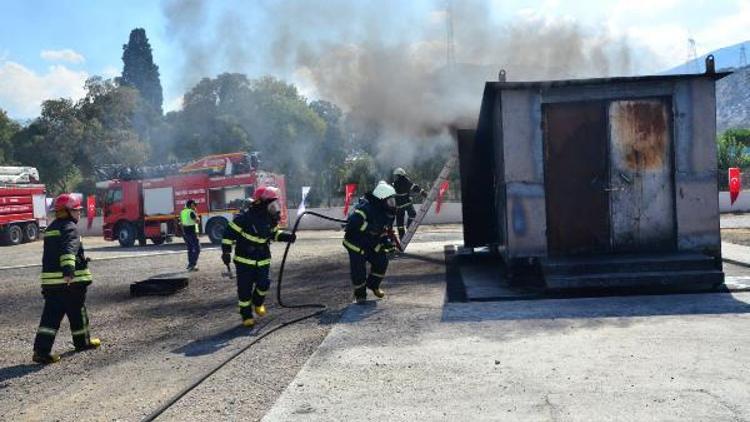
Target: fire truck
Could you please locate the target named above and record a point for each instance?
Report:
(23, 210)
(136, 209)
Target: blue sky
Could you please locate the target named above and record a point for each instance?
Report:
(48, 48)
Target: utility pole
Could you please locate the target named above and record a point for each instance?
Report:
(450, 53)
(692, 60)
(743, 56)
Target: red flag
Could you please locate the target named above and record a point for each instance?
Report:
(441, 194)
(90, 209)
(735, 184)
(349, 191)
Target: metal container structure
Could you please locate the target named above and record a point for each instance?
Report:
(594, 167)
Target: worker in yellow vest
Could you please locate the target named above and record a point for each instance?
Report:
(189, 222)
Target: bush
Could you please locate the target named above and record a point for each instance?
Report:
(732, 151)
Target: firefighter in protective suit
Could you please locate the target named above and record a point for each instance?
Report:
(65, 277)
(366, 239)
(250, 233)
(404, 188)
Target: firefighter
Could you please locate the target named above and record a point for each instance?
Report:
(250, 233)
(366, 239)
(189, 222)
(404, 188)
(65, 277)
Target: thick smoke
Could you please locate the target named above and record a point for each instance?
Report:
(351, 53)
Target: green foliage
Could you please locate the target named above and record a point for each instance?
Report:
(362, 170)
(731, 152)
(69, 140)
(8, 128)
(139, 70)
(740, 135)
(49, 144)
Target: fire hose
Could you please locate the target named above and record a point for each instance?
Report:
(321, 308)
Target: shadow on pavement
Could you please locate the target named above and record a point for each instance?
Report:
(598, 307)
(18, 371)
(214, 343)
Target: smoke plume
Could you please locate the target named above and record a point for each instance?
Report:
(353, 54)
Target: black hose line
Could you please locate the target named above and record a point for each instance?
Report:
(283, 262)
(155, 414)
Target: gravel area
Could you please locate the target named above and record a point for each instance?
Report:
(154, 346)
(740, 236)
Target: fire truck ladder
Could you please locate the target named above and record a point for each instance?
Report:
(427, 203)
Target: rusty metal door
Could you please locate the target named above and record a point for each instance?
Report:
(641, 178)
(575, 172)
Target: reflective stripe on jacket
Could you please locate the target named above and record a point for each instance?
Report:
(250, 234)
(366, 227)
(63, 255)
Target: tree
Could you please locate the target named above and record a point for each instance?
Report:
(108, 113)
(50, 144)
(360, 169)
(329, 158)
(730, 153)
(139, 70)
(8, 128)
(68, 141)
(211, 119)
(740, 135)
(233, 113)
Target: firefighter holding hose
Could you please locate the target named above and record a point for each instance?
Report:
(250, 233)
(367, 239)
(404, 188)
(65, 277)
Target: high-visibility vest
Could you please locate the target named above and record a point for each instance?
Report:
(186, 219)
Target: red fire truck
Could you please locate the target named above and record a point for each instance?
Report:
(23, 208)
(149, 208)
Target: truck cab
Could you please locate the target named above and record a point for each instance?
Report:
(149, 208)
(122, 209)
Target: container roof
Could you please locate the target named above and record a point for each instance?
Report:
(603, 81)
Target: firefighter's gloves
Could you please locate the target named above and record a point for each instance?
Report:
(292, 237)
(226, 258)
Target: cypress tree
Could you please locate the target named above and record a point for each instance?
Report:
(139, 70)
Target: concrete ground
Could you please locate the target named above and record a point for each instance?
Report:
(414, 357)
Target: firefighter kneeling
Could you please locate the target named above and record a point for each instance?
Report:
(366, 239)
(251, 233)
(65, 276)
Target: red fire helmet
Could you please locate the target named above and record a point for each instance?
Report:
(66, 201)
(266, 193)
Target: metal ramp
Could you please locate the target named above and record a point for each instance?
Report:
(427, 203)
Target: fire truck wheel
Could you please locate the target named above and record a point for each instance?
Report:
(157, 240)
(30, 232)
(215, 229)
(126, 234)
(13, 235)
